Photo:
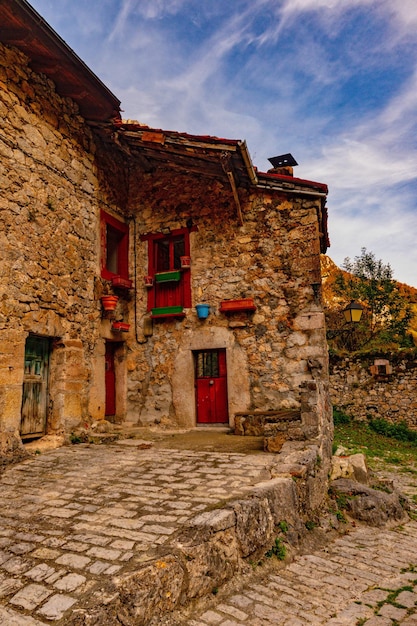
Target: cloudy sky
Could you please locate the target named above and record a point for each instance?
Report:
(334, 82)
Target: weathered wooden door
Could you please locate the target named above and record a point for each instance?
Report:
(110, 379)
(211, 387)
(35, 387)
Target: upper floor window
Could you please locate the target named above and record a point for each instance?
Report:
(114, 247)
(168, 253)
(171, 283)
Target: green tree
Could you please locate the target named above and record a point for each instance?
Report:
(387, 314)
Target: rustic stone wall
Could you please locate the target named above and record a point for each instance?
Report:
(56, 175)
(273, 258)
(49, 246)
(393, 397)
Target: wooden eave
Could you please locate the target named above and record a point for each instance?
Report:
(180, 152)
(22, 27)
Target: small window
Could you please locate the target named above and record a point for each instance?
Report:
(114, 247)
(168, 253)
(207, 364)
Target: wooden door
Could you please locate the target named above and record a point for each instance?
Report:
(211, 387)
(110, 379)
(35, 387)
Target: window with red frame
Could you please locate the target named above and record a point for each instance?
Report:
(164, 253)
(114, 247)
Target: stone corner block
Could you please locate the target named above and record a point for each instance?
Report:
(281, 494)
(254, 524)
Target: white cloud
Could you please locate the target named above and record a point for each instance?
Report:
(287, 76)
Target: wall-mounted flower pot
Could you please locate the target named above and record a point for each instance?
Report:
(148, 280)
(203, 311)
(168, 277)
(185, 262)
(122, 283)
(168, 311)
(109, 303)
(231, 306)
(120, 327)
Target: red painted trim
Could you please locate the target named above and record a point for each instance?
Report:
(292, 179)
(123, 248)
(172, 233)
(183, 288)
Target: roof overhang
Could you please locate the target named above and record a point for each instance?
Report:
(155, 148)
(21, 26)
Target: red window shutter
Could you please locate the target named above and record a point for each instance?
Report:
(164, 254)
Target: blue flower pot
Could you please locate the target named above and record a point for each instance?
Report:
(202, 311)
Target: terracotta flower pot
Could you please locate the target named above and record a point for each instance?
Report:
(244, 304)
(120, 327)
(109, 303)
(121, 283)
(185, 262)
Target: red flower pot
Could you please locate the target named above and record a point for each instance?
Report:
(120, 327)
(185, 262)
(109, 303)
(122, 283)
(230, 306)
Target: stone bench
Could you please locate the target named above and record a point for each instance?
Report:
(276, 426)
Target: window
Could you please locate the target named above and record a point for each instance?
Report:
(171, 291)
(114, 247)
(168, 253)
(207, 364)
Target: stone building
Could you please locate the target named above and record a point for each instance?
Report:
(94, 206)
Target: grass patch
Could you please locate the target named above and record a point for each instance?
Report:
(361, 437)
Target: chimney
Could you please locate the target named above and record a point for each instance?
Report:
(282, 164)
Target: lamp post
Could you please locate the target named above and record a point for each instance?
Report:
(353, 312)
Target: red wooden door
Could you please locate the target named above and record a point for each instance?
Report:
(110, 379)
(211, 387)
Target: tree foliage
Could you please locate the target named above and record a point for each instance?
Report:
(387, 313)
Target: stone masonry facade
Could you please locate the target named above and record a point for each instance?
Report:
(52, 194)
(357, 389)
(271, 259)
(250, 240)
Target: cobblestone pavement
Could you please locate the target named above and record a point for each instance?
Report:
(368, 576)
(74, 516)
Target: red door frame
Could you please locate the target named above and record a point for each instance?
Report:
(110, 379)
(211, 387)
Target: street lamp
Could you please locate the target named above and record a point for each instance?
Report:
(353, 312)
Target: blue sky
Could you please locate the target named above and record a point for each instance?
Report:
(334, 82)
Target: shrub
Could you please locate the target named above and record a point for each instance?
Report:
(399, 431)
(340, 417)
(278, 550)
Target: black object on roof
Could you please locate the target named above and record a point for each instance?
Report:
(283, 160)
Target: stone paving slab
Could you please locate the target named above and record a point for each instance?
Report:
(73, 517)
(76, 517)
(367, 577)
